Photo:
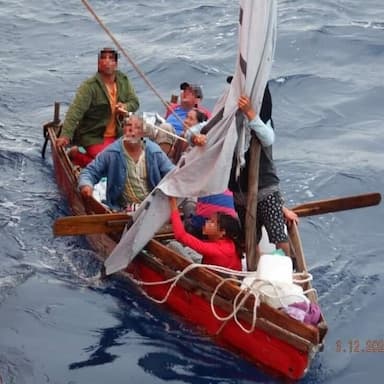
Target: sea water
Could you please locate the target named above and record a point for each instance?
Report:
(59, 324)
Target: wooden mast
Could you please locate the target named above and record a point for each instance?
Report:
(251, 209)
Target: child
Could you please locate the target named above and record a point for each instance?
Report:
(222, 246)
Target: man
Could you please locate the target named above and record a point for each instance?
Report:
(190, 97)
(91, 121)
(199, 99)
(133, 167)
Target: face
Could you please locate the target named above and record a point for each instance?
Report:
(211, 228)
(191, 119)
(107, 64)
(133, 130)
(187, 98)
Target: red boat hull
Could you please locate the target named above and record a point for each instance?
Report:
(258, 347)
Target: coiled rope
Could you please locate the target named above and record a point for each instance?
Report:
(244, 293)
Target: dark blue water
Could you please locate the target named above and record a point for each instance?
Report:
(60, 325)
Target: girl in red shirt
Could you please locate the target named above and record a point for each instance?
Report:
(222, 231)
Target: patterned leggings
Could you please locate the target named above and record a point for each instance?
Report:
(270, 215)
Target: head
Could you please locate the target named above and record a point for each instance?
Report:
(132, 129)
(212, 229)
(190, 95)
(107, 61)
(194, 116)
(222, 225)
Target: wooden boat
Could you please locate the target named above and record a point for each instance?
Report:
(278, 343)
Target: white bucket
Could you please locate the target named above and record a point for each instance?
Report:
(275, 268)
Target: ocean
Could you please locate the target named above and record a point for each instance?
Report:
(58, 323)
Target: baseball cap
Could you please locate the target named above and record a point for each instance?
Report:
(196, 89)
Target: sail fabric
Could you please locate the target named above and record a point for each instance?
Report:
(205, 170)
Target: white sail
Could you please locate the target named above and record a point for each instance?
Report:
(205, 170)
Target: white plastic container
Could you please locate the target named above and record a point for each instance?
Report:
(282, 294)
(275, 268)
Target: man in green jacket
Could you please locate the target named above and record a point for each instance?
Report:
(92, 121)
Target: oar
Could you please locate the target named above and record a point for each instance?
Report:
(337, 204)
(90, 224)
(115, 222)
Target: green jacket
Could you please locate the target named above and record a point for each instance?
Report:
(90, 110)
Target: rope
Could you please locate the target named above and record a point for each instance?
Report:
(252, 290)
(125, 54)
(171, 134)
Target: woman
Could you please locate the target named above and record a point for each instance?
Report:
(194, 118)
(222, 232)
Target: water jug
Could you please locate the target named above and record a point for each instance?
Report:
(275, 268)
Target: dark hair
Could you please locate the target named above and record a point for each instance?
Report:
(200, 116)
(232, 228)
(109, 50)
(266, 106)
(195, 89)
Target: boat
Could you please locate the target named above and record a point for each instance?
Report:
(207, 299)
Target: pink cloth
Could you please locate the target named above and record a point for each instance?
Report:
(308, 313)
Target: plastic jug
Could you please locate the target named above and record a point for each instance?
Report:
(275, 267)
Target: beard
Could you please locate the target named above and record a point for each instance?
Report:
(132, 140)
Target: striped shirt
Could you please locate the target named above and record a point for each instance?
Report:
(136, 186)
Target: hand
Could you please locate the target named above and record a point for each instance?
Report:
(245, 105)
(173, 203)
(62, 141)
(86, 191)
(199, 140)
(121, 109)
(290, 216)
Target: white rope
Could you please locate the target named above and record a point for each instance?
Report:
(172, 134)
(236, 307)
(305, 277)
(173, 280)
(252, 290)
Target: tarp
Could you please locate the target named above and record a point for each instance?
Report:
(205, 170)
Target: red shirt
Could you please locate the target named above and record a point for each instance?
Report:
(220, 252)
